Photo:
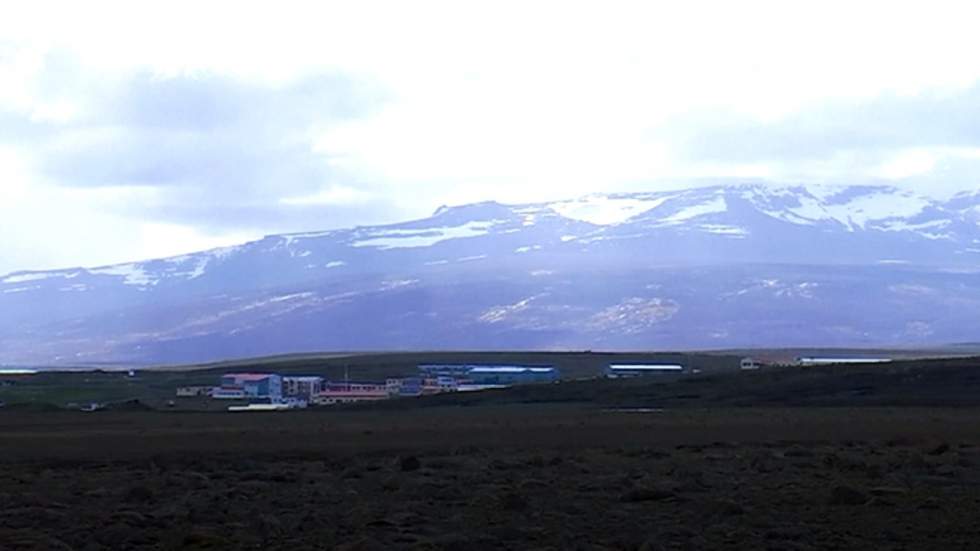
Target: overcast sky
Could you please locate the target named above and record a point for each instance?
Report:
(135, 130)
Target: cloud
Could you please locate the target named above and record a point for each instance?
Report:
(314, 116)
(207, 143)
(884, 123)
(335, 195)
(927, 140)
(96, 169)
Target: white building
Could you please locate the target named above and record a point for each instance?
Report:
(618, 371)
(812, 361)
(748, 364)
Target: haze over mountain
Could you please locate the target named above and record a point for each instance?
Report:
(709, 267)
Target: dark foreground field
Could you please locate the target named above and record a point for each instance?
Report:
(497, 476)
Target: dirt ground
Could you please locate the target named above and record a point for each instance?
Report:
(493, 477)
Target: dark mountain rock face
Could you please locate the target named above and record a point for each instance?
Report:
(749, 265)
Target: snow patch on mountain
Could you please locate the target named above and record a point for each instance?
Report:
(21, 289)
(399, 238)
(37, 276)
(854, 209)
(22, 278)
(80, 287)
(198, 267)
(722, 229)
(292, 296)
(714, 206)
(633, 315)
(900, 225)
(498, 314)
(132, 274)
(397, 284)
(529, 214)
(875, 206)
(193, 266)
(293, 237)
(604, 210)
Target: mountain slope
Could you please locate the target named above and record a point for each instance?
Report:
(707, 267)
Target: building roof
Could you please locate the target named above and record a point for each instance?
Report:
(511, 369)
(646, 367)
(485, 368)
(844, 360)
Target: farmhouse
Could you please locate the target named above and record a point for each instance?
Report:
(749, 364)
(618, 371)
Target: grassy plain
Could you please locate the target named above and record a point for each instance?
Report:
(871, 457)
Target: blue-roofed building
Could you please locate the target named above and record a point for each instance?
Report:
(492, 374)
(445, 370)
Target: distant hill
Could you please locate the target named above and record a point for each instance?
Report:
(715, 267)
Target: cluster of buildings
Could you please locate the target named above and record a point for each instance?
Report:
(271, 391)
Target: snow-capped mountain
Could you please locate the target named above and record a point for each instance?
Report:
(715, 266)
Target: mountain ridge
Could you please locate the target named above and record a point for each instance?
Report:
(566, 209)
(619, 270)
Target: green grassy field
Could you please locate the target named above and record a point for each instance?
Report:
(832, 457)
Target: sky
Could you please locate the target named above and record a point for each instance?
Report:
(134, 130)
